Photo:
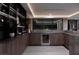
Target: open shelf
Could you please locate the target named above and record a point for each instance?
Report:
(11, 12)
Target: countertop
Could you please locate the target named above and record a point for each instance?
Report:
(73, 33)
(46, 31)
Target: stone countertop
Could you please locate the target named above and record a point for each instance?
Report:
(46, 31)
(73, 33)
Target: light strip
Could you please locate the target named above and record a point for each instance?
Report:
(50, 16)
(31, 9)
(74, 14)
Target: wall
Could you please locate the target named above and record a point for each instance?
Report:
(65, 24)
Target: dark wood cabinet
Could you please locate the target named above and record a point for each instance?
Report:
(71, 42)
(59, 39)
(24, 41)
(14, 46)
(74, 45)
(52, 41)
(8, 17)
(56, 39)
(66, 40)
(35, 39)
(2, 48)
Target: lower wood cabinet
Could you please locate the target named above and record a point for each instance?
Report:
(35, 39)
(71, 42)
(66, 40)
(56, 39)
(2, 48)
(14, 46)
(74, 45)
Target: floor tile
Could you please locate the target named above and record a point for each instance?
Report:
(46, 50)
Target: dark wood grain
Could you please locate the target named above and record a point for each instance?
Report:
(35, 39)
(56, 39)
(66, 40)
(14, 46)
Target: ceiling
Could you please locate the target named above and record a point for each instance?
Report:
(53, 9)
(27, 9)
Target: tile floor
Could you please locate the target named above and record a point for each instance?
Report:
(46, 50)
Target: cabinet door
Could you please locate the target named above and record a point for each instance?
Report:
(66, 40)
(59, 39)
(56, 39)
(52, 39)
(35, 39)
(14, 46)
(73, 45)
(24, 40)
(3, 48)
(10, 46)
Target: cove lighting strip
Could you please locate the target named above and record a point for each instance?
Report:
(74, 14)
(31, 9)
(50, 16)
